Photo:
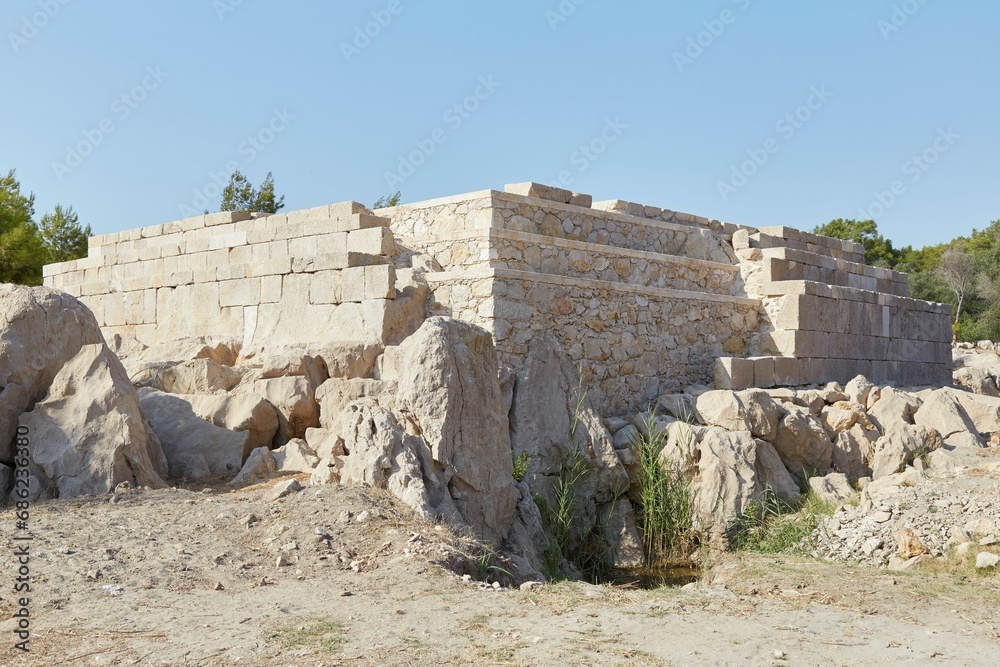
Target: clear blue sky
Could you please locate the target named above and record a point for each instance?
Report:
(678, 121)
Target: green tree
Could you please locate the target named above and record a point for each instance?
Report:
(240, 195)
(387, 201)
(878, 249)
(63, 236)
(22, 253)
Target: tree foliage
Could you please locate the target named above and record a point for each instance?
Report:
(878, 249)
(387, 201)
(240, 195)
(22, 253)
(62, 235)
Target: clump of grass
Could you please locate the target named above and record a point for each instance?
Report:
(486, 567)
(521, 466)
(665, 507)
(324, 635)
(770, 525)
(587, 550)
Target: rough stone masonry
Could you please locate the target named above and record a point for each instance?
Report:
(645, 300)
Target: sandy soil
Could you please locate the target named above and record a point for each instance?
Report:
(189, 577)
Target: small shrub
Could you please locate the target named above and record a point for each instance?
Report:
(521, 466)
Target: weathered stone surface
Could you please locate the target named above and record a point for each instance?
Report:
(260, 463)
(909, 544)
(40, 330)
(834, 488)
(334, 395)
(383, 455)
(754, 411)
(198, 376)
(450, 391)
(858, 389)
(853, 452)
(773, 473)
(195, 448)
(293, 398)
(248, 412)
(618, 520)
(326, 443)
(943, 412)
(898, 448)
(295, 456)
(90, 434)
(554, 424)
(803, 443)
(894, 407)
(680, 406)
(841, 416)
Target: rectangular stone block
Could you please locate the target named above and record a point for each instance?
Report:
(763, 372)
(228, 240)
(270, 289)
(373, 241)
(353, 284)
(225, 218)
(245, 292)
(539, 191)
(360, 221)
(733, 373)
(380, 282)
(787, 372)
(324, 288)
(114, 310)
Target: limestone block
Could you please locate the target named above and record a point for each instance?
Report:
(225, 217)
(763, 372)
(787, 372)
(360, 221)
(380, 282)
(373, 241)
(334, 243)
(353, 284)
(270, 289)
(733, 373)
(539, 191)
(324, 287)
(244, 292)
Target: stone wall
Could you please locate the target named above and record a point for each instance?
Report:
(646, 300)
(312, 276)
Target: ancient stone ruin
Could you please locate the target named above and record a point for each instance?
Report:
(645, 301)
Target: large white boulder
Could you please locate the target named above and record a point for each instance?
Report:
(449, 391)
(195, 448)
(803, 443)
(943, 412)
(90, 434)
(753, 411)
(247, 412)
(40, 331)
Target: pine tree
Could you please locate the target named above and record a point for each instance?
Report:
(63, 236)
(240, 195)
(22, 253)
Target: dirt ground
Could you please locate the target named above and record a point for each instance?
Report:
(191, 577)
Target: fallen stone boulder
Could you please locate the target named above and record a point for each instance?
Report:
(754, 411)
(295, 456)
(449, 391)
(899, 447)
(40, 331)
(943, 412)
(195, 449)
(854, 451)
(295, 402)
(803, 443)
(90, 434)
(260, 463)
(833, 489)
(334, 395)
(248, 412)
(198, 376)
(894, 407)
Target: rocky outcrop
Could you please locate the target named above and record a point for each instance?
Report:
(449, 393)
(40, 331)
(89, 434)
(554, 425)
(195, 448)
